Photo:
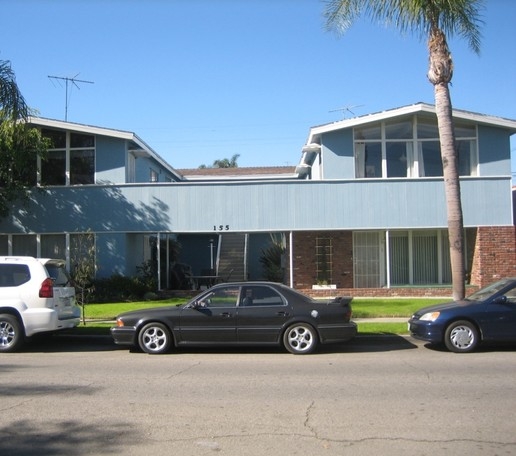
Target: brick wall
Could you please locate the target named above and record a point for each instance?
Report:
(304, 262)
(494, 256)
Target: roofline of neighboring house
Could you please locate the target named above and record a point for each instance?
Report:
(239, 173)
(101, 131)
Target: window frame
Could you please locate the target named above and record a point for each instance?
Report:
(68, 152)
(423, 131)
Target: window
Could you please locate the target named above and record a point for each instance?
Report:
(430, 162)
(419, 258)
(410, 147)
(260, 296)
(368, 260)
(4, 245)
(223, 297)
(82, 166)
(324, 260)
(53, 246)
(71, 161)
(25, 245)
(368, 159)
(153, 175)
(13, 275)
(53, 169)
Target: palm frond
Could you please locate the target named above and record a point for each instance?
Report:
(12, 103)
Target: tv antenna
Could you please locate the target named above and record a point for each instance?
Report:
(347, 108)
(69, 82)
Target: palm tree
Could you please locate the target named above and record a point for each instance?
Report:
(12, 103)
(433, 19)
(227, 163)
(20, 145)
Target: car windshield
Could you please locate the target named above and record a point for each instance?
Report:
(487, 292)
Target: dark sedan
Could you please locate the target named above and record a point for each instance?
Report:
(247, 313)
(489, 315)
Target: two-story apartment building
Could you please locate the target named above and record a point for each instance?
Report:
(364, 210)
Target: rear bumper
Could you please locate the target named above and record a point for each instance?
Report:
(337, 333)
(47, 320)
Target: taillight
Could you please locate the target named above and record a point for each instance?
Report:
(47, 288)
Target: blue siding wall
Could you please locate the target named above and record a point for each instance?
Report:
(260, 206)
(337, 155)
(111, 252)
(110, 160)
(494, 152)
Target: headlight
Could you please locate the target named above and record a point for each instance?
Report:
(430, 316)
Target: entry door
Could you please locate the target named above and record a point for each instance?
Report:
(368, 259)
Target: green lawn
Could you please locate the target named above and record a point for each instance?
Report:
(100, 317)
(390, 307)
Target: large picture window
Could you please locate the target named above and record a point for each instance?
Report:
(410, 148)
(401, 258)
(70, 161)
(419, 257)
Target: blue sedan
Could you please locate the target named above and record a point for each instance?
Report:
(489, 315)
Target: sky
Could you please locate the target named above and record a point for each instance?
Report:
(203, 80)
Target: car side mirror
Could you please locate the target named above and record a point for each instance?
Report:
(199, 304)
(501, 300)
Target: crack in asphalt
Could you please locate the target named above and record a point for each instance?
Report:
(213, 438)
(306, 424)
(182, 371)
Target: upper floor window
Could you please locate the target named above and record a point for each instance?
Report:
(153, 175)
(410, 148)
(70, 161)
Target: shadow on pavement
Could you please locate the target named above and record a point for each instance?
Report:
(71, 437)
(65, 342)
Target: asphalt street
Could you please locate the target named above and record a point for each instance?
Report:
(374, 395)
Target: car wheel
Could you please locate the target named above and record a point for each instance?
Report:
(461, 337)
(300, 339)
(11, 333)
(154, 338)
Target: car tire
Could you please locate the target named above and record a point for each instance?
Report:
(300, 339)
(154, 338)
(461, 337)
(11, 333)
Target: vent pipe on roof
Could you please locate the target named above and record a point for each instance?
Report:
(309, 152)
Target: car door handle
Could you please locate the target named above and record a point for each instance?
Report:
(282, 314)
(226, 314)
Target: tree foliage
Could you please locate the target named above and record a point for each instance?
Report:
(224, 163)
(20, 145)
(12, 103)
(436, 20)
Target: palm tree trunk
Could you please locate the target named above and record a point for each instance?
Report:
(440, 74)
(452, 189)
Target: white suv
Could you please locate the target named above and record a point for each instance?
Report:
(36, 295)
